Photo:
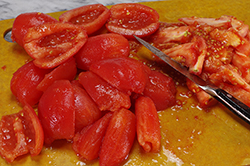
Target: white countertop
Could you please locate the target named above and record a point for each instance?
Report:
(12, 8)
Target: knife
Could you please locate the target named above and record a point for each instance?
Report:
(233, 104)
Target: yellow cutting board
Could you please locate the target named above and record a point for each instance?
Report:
(190, 135)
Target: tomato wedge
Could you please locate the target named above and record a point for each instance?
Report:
(105, 95)
(119, 138)
(87, 143)
(101, 47)
(91, 17)
(130, 19)
(161, 89)
(24, 82)
(56, 111)
(25, 21)
(147, 124)
(67, 70)
(126, 74)
(86, 110)
(20, 133)
(51, 44)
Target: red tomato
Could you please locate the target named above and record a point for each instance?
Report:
(91, 17)
(100, 47)
(147, 124)
(20, 133)
(56, 111)
(105, 95)
(118, 139)
(88, 142)
(25, 21)
(86, 110)
(67, 71)
(51, 44)
(130, 19)
(24, 82)
(161, 89)
(126, 74)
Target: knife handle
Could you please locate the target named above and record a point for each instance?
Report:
(233, 104)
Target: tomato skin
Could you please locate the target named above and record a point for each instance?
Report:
(86, 110)
(25, 21)
(20, 133)
(126, 74)
(56, 111)
(161, 89)
(24, 82)
(90, 17)
(67, 71)
(87, 143)
(118, 139)
(52, 44)
(147, 124)
(124, 20)
(105, 96)
(100, 47)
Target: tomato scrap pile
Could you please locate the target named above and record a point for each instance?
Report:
(90, 86)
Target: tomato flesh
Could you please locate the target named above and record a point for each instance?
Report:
(52, 44)
(130, 19)
(86, 18)
(20, 133)
(90, 17)
(25, 21)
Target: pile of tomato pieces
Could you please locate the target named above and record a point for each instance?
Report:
(90, 87)
(85, 85)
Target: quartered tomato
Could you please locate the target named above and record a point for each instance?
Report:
(91, 17)
(147, 124)
(161, 89)
(86, 110)
(67, 70)
(20, 133)
(105, 95)
(24, 82)
(130, 19)
(119, 138)
(100, 47)
(126, 74)
(56, 111)
(25, 21)
(51, 44)
(87, 143)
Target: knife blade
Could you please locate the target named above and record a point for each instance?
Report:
(233, 104)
